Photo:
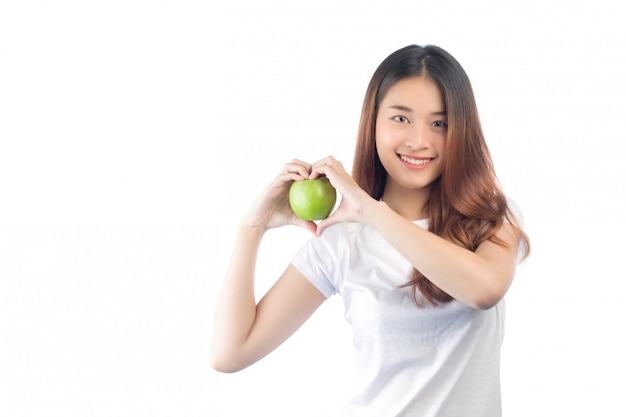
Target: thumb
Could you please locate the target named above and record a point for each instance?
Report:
(326, 223)
(307, 224)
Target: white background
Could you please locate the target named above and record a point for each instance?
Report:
(135, 133)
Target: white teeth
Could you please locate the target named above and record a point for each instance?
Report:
(414, 161)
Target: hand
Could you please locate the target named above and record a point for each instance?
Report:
(271, 209)
(353, 197)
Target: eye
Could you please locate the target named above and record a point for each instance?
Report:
(401, 119)
(440, 124)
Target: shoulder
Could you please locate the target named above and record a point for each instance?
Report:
(322, 260)
(516, 217)
(515, 210)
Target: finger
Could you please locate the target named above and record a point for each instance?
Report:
(328, 167)
(291, 176)
(326, 223)
(309, 225)
(321, 171)
(298, 166)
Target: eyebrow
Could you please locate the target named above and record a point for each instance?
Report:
(408, 109)
(401, 107)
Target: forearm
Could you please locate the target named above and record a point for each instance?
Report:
(236, 308)
(469, 277)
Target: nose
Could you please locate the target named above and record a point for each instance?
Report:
(417, 137)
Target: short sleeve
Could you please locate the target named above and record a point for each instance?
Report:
(519, 218)
(516, 211)
(317, 261)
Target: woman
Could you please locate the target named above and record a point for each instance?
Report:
(422, 249)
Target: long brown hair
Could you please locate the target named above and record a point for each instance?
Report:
(467, 206)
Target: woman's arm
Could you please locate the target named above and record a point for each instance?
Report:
(245, 331)
(479, 279)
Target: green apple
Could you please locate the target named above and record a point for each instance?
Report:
(312, 199)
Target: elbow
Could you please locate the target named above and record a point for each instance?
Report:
(220, 365)
(488, 296)
(224, 365)
(226, 361)
(486, 302)
(482, 302)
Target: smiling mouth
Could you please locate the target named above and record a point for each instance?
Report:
(415, 161)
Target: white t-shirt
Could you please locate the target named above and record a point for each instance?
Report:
(432, 361)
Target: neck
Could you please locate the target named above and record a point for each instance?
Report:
(409, 204)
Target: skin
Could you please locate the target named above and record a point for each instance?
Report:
(406, 127)
(411, 122)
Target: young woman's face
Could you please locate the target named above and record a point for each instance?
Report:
(411, 129)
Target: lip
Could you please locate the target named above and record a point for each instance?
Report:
(422, 159)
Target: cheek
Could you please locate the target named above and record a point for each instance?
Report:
(442, 146)
(382, 138)
(438, 143)
(383, 149)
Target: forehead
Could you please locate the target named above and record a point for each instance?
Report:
(414, 92)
